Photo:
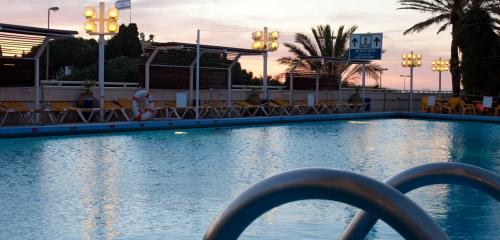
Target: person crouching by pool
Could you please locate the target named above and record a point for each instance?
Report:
(355, 101)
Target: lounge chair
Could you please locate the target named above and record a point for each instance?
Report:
(327, 106)
(428, 104)
(85, 114)
(174, 111)
(451, 105)
(439, 105)
(20, 110)
(276, 109)
(308, 109)
(423, 104)
(161, 108)
(4, 113)
(497, 110)
(247, 108)
(126, 107)
(290, 108)
(111, 109)
(59, 111)
(466, 107)
(213, 108)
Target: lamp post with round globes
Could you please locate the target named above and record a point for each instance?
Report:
(48, 45)
(440, 66)
(411, 60)
(267, 42)
(111, 23)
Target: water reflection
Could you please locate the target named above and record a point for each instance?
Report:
(99, 194)
(465, 205)
(165, 185)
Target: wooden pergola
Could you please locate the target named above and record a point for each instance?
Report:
(17, 43)
(234, 53)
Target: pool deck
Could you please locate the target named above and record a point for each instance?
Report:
(79, 128)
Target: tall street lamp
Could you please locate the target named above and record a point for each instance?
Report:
(412, 61)
(90, 27)
(440, 66)
(382, 72)
(55, 9)
(404, 81)
(267, 42)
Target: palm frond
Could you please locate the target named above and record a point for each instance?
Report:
(435, 6)
(425, 24)
(296, 50)
(443, 28)
(306, 43)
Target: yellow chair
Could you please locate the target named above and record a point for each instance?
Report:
(466, 107)
(327, 106)
(288, 107)
(66, 107)
(451, 105)
(439, 105)
(126, 107)
(423, 104)
(213, 108)
(426, 107)
(112, 108)
(25, 113)
(250, 109)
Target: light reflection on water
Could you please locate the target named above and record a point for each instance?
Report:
(166, 185)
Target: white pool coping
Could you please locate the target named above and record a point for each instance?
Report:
(86, 128)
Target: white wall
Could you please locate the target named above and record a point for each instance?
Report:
(393, 101)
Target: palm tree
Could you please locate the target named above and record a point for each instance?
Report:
(445, 12)
(480, 47)
(327, 44)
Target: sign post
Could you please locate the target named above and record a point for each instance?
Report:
(366, 46)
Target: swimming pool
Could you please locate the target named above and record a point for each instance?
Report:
(171, 184)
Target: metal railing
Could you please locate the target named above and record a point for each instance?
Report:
(393, 207)
(377, 90)
(58, 83)
(426, 175)
(385, 201)
(257, 87)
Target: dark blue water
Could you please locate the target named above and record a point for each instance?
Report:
(171, 185)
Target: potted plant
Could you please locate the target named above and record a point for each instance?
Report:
(87, 99)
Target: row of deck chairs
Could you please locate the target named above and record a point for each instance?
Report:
(120, 110)
(456, 105)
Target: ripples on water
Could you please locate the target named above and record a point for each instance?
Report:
(171, 185)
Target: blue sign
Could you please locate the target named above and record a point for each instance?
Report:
(366, 46)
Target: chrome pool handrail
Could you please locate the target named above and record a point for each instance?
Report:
(390, 205)
(425, 175)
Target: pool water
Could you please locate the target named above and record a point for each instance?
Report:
(172, 184)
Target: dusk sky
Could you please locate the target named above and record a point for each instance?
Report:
(231, 22)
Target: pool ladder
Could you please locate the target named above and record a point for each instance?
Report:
(382, 200)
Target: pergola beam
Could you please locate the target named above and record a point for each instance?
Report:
(37, 72)
(191, 78)
(291, 79)
(147, 66)
(230, 78)
(327, 60)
